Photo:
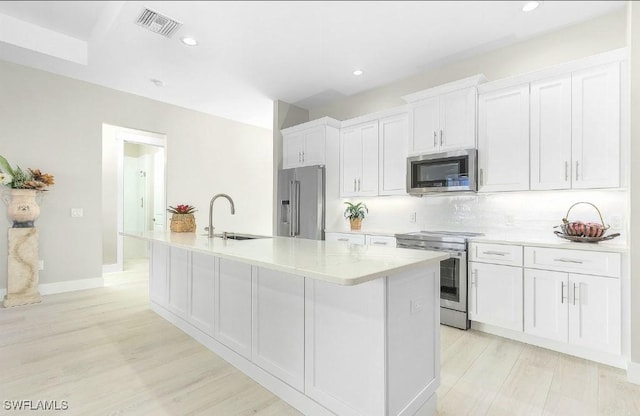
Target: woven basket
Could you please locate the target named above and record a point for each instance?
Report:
(356, 223)
(183, 223)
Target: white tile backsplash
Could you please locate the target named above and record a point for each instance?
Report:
(534, 212)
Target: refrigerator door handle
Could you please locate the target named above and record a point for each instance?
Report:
(296, 207)
(291, 207)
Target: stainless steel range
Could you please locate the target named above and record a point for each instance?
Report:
(453, 271)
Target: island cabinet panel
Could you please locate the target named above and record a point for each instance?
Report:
(201, 293)
(232, 316)
(179, 281)
(158, 277)
(344, 345)
(278, 325)
(413, 331)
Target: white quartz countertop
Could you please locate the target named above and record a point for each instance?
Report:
(332, 262)
(551, 241)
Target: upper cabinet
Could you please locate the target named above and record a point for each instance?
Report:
(443, 118)
(575, 130)
(558, 130)
(359, 160)
(503, 140)
(304, 144)
(392, 154)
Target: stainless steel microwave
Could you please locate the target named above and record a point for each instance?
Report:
(442, 172)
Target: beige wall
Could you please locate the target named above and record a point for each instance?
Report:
(55, 124)
(588, 38)
(634, 55)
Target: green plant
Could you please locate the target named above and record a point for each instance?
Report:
(355, 211)
(182, 209)
(16, 178)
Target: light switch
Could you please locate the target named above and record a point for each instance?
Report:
(76, 213)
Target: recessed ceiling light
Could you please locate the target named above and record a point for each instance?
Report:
(157, 82)
(358, 72)
(189, 41)
(530, 6)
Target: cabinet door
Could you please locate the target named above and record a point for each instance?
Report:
(425, 126)
(232, 319)
(292, 147)
(350, 161)
(158, 279)
(345, 346)
(503, 140)
(358, 239)
(458, 120)
(551, 134)
(201, 293)
(179, 281)
(496, 295)
(368, 179)
(380, 240)
(595, 312)
(278, 325)
(393, 155)
(546, 304)
(596, 127)
(314, 146)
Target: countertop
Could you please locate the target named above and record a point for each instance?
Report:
(338, 263)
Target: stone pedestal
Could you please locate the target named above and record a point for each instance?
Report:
(22, 276)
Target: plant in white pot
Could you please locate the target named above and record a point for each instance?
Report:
(355, 213)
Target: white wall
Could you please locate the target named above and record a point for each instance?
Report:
(55, 124)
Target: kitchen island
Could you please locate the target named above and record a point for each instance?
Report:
(332, 329)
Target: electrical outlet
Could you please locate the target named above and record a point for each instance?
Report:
(412, 217)
(76, 213)
(40, 264)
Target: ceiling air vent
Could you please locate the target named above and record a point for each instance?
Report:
(158, 23)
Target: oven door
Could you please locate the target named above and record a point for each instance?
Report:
(453, 281)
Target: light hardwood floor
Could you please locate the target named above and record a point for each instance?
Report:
(106, 353)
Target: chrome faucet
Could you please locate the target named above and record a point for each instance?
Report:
(233, 210)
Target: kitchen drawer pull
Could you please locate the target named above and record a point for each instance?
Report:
(562, 296)
(435, 139)
(343, 239)
(566, 171)
(569, 261)
(576, 290)
(441, 140)
(380, 243)
(496, 253)
(577, 164)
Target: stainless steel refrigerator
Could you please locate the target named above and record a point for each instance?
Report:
(301, 202)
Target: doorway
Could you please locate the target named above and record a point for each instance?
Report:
(134, 193)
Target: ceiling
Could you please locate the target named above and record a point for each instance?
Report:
(251, 53)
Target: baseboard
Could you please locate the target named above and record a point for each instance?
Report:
(66, 286)
(633, 372)
(111, 268)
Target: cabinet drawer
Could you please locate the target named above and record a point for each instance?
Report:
(345, 238)
(496, 254)
(573, 261)
(380, 240)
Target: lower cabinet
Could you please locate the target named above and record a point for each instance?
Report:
(495, 295)
(179, 281)
(201, 292)
(362, 239)
(232, 320)
(278, 325)
(579, 309)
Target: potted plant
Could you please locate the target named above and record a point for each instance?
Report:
(182, 220)
(22, 206)
(355, 213)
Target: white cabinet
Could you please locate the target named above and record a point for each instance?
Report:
(232, 320)
(359, 160)
(179, 281)
(304, 144)
(380, 240)
(595, 119)
(503, 139)
(358, 239)
(579, 309)
(201, 292)
(278, 325)
(575, 130)
(551, 134)
(495, 295)
(393, 137)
